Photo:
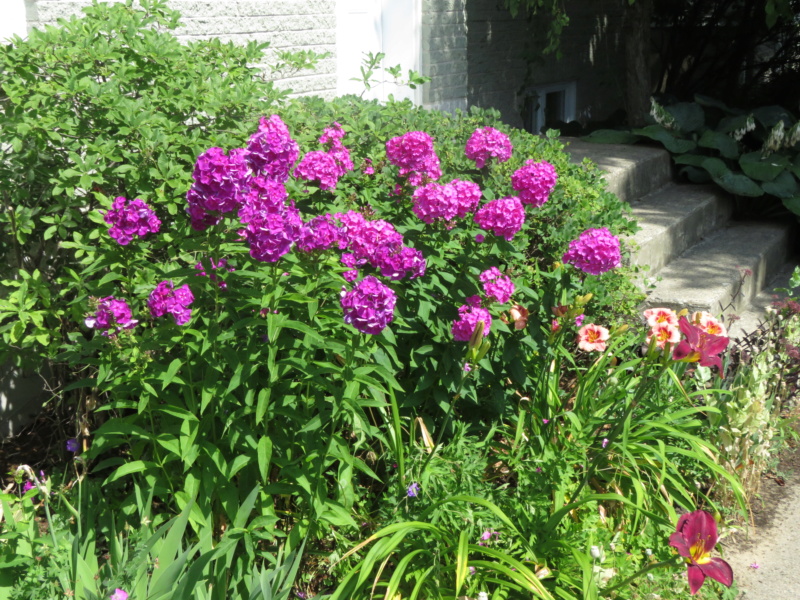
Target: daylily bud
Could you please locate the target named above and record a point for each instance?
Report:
(560, 311)
(620, 329)
(477, 335)
(683, 312)
(584, 300)
(483, 350)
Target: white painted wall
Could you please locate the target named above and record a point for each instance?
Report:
(388, 26)
(12, 19)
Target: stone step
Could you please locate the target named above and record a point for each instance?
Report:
(752, 316)
(724, 272)
(675, 218)
(632, 172)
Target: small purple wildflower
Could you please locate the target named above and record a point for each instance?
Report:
(545, 421)
(605, 442)
(119, 595)
(72, 445)
(413, 490)
(579, 320)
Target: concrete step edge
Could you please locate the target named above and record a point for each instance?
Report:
(725, 271)
(675, 218)
(631, 171)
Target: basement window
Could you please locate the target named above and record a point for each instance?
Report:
(548, 106)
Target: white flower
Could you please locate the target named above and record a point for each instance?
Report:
(595, 552)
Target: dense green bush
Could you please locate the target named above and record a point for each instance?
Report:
(261, 429)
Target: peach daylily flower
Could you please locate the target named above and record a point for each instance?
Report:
(592, 338)
(709, 324)
(664, 334)
(657, 316)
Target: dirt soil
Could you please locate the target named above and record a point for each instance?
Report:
(765, 559)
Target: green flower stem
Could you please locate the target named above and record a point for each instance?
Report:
(673, 562)
(399, 451)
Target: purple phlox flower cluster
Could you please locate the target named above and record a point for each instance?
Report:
(367, 168)
(220, 183)
(503, 217)
(413, 153)
(595, 251)
(271, 224)
(328, 166)
(128, 219)
(378, 243)
(579, 320)
(469, 315)
(271, 150)
(534, 182)
(168, 299)
(349, 261)
(320, 233)
(221, 264)
(486, 143)
(446, 202)
(496, 285)
(72, 445)
(318, 166)
(369, 306)
(111, 313)
(332, 138)
(413, 490)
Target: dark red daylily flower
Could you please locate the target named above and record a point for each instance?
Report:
(699, 345)
(695, 538)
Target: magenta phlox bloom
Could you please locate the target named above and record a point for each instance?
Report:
(220, 182)
(318, 166)
(398, 263)
(496, 285)
(468, 196)
(111, 313)
(445, 202)
(271, 231)
(271, 150)
(469, 315)
(413, 153)
(369, 306)
(534, 182)
(504, 217)
(119, 594)
(695, 538)
(332, 139)
(486, 143)
(320, 233)
(348, 260)
(595, 251)
(166, 298)
(129, 219)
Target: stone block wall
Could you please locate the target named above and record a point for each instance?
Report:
(444, 54)
(591, 45)
(285, 24)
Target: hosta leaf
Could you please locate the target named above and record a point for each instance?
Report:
(735, 183)
(763, 169)
(784, 186)
(611, 136)
(669, 141)
(724, 144)
(688, 116)
(793, 204)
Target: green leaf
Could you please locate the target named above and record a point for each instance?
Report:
(784, 186)
(689, 116)
(735, 183)
(763, 169)
(135, 466)
(611, 136)
(264, 456)
(724, 144)
(667, 139)
(793, 204)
